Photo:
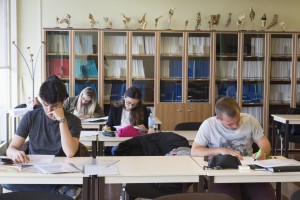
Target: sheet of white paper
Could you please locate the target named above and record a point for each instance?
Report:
(277, 162)
(40, 159)
(99, 170)
(55, 168)
(94, 119)
(88, 133)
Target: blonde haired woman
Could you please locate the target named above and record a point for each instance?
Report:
(84, 105)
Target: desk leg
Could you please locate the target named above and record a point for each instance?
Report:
(94, 189)
(94, 149)
(200, 184)
(100, 148)
(286, 142)
(210, 184)
(278, 191)
(101, 188)
(86, 189)
(273, 138)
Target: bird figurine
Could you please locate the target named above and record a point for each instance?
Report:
(108, 22)
(282, 25)
(142, 22)
(228, 20)
(252, 16)
(186, 23)
(274, 22)
(263, 21)
(171, 14)
(198, 21)
(156, 20)
(64, 20)
(214, 20)
(126, 20)
(240, 20)
(93, 22)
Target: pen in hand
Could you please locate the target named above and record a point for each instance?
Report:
(257, 155)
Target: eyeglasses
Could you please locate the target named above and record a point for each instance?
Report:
(85, 99)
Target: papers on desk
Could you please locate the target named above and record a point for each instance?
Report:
(40, 159)
(99, 119)
(56, 168)
(88, 133)
(107, 167)
(277, 164)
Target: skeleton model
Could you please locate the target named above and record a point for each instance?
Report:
(252, 16)
(263, 21)
(93, 22)
(108, 22)
(240, 20)
(126, 20)
(198, 21)
(228, 21)
(186, 23)
(274, 22)
(156, 20)
(171, 13)
(214, 20)
(64, 20)
(142, 22)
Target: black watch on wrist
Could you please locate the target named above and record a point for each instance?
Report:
(62, 120)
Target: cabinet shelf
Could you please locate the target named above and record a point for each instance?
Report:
(58, 54)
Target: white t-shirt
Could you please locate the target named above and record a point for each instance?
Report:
(213, 133)
(125, 118)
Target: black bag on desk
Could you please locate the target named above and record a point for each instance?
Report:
(223, 162)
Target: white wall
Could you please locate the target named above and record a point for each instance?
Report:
(34, 14)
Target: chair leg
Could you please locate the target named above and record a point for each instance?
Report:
(281, 145)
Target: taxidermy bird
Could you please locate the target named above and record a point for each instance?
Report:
(273, 22)
(240, 21)
(263, 21)
(198, 21)
(282, 24)
(93, 22)
(126, 20)
(214, 20)
(186, 23)
(108, 22)
(156, 20)
(252, 14)
(228, 20)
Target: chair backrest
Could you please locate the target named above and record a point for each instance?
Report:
(33, 196)
(188, 126)
(195, 196)
(295, 195)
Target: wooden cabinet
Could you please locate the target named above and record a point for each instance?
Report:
(181, 73)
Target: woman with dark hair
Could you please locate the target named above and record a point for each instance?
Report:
(128, 111)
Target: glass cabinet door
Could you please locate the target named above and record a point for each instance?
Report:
(85, 60)
(58, 55)
(198, 74)
(280, 72)
(226, 65)
(253, 74)
(143, 64)
(171, 66)
(115, 66)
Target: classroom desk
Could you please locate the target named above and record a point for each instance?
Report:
(87, 140)
(104, 141)
(285, 119)
(151, 169)
(26, 177)
(246, 176)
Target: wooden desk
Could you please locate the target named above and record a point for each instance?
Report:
(114, 141)
(93, 125)
(151, 169)
(247, 176)
(284, 119)
(26, 177)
